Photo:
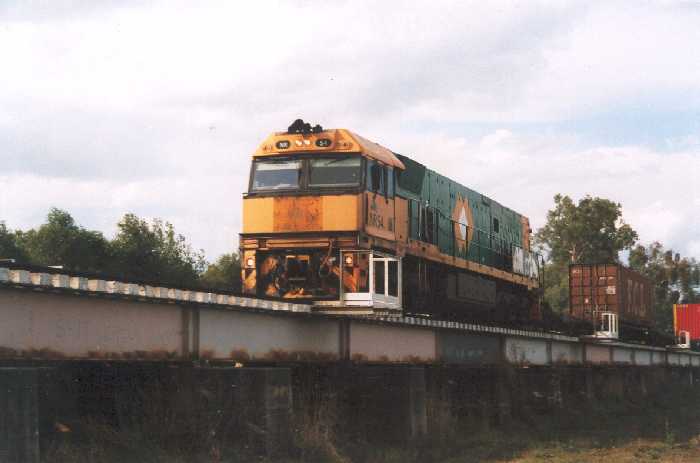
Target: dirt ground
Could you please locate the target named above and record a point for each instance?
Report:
(638, 451)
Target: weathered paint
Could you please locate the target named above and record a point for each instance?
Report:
(86, 327)
(20, 276)
(384, 343)
(642, 357)
(37, 322)
(340, 140)
(526, 351)
(566, 352)
(263, 335)
(258, 215)
(686, 317)
(341, 213)
(597, 354)
(613, 286)
(41, 279)
(658, 357)
(281, 214)
(296, 214)
(622, 355)
(466, 348)
(380, 216)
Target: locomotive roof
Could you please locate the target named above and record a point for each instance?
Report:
(331, 140)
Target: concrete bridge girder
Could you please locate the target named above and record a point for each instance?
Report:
(78, 323)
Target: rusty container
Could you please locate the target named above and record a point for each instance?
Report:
(686, 317)
(610, 288)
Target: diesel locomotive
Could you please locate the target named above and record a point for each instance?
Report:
(348, 225)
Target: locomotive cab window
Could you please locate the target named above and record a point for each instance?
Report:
(375, 179)
(380, 179)
(276, 175)
(341, 171)
(389, 182)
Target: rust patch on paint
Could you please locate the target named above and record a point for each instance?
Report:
(47, 353)
(239, 355)
(207, 354)
(278, 355)
(37, 353)
(415, 359)
(297, 214)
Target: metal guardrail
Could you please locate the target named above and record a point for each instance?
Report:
(41, 280)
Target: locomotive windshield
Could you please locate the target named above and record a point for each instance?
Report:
(276, 175)
(304, 173)
(344, 171)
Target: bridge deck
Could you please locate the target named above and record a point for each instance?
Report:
(59, 316)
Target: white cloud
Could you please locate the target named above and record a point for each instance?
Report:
(109, 107)
(659, 190)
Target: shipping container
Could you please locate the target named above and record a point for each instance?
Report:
(610, 288)
(686, 317)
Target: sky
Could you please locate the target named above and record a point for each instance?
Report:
(154, 108)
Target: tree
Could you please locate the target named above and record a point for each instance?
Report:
(139, 251)
(9, 247)
(224, 274)
(154, 252)
(61, 242)
(591, 231)
(675, 278)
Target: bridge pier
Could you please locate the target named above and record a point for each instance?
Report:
(270, 394)
(208, 407)
(19, 415)
(589, 384)
(380, 402)
(504, 379)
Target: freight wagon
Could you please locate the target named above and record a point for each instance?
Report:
(609, 296)
(686, 325)
(351, 226)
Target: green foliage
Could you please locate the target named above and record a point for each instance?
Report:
(556, 286)
(675, 279)
(591, 231)
(154, 252)
(61, 242)
(139, 251)
(225, 273)
(9, 247)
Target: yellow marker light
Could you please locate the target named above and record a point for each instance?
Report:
(250, 262)
(348, 260)
(307, 142)
(297, 142)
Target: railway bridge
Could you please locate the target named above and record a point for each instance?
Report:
(113, 337)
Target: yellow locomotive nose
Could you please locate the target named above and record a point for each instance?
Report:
(333, 217)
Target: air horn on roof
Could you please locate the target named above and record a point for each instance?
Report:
(299, 126)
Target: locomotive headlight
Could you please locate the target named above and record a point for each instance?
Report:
(348, 260)
(250, 262)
